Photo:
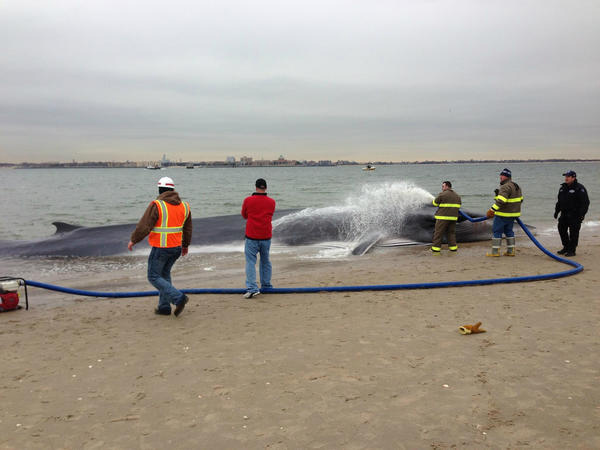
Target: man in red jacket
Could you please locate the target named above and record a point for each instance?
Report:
(258, 211)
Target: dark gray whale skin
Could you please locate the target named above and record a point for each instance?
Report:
(74, 240)
(108, 240)
(417, 226)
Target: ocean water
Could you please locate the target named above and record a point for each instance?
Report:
(34, 198)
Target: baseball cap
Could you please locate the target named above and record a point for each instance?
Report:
(570, 173)
(506, 173)
(261, 183)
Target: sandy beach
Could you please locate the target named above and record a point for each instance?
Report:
(385, 370)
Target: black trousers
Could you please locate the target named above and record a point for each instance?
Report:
(568, 228)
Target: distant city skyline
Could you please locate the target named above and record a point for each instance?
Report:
(328, 80)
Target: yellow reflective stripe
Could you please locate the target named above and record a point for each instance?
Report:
(495, 207)
(449, 205)
(164, 222)
(445, 218)
(434, 203)
(454, 247)
(436, 249)
(163, 212)
(508, 200)
(505, 214)
(163, 229)
(167, 229)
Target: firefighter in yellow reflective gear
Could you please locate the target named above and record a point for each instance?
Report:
(506, 207)
(448, 203)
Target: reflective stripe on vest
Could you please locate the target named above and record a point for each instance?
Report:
(445, 218)
(509, 200)
(505, 214)
(163, 235)
(446, 205)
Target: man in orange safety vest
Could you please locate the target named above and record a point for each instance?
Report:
(167, 222)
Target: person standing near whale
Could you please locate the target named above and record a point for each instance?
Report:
(572, 205)
(258, 211)
(167, 222)
(448, 203)
(506, 208)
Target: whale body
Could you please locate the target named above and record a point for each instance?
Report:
(290, 227)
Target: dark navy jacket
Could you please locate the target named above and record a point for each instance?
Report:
(573, 201)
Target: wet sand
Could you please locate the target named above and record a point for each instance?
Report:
(384, 369)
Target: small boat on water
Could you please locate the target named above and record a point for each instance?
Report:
(369, 167)
(153, 167)
(189, 166)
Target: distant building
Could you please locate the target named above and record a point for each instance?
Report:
(281, 161)
(246, 161)
(230, 160)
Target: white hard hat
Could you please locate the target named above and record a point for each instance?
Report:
(166, 182)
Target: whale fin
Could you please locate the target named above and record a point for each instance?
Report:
(367, 243)
(62, 227)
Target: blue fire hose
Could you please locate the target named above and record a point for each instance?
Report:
(378, 287)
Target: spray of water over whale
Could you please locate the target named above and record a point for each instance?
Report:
(382, 208)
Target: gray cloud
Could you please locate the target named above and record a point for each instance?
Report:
(391, 80)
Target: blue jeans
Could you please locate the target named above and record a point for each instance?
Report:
(160, 262)
(503, 225)
(252, 248)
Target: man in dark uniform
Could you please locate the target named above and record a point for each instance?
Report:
(573, 203)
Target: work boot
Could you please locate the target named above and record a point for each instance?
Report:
(181, 305)
(562, 251)
(495, 247)
(570, 253)
(510, 246)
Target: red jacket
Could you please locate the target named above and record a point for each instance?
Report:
(258, 211)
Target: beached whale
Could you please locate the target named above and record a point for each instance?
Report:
(367, 230)
(290, 227)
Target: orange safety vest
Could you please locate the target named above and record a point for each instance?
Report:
(168, 229)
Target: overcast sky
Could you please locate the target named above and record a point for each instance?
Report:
(363, 80)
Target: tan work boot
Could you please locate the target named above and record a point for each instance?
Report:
(510, 246)
(495, 247)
